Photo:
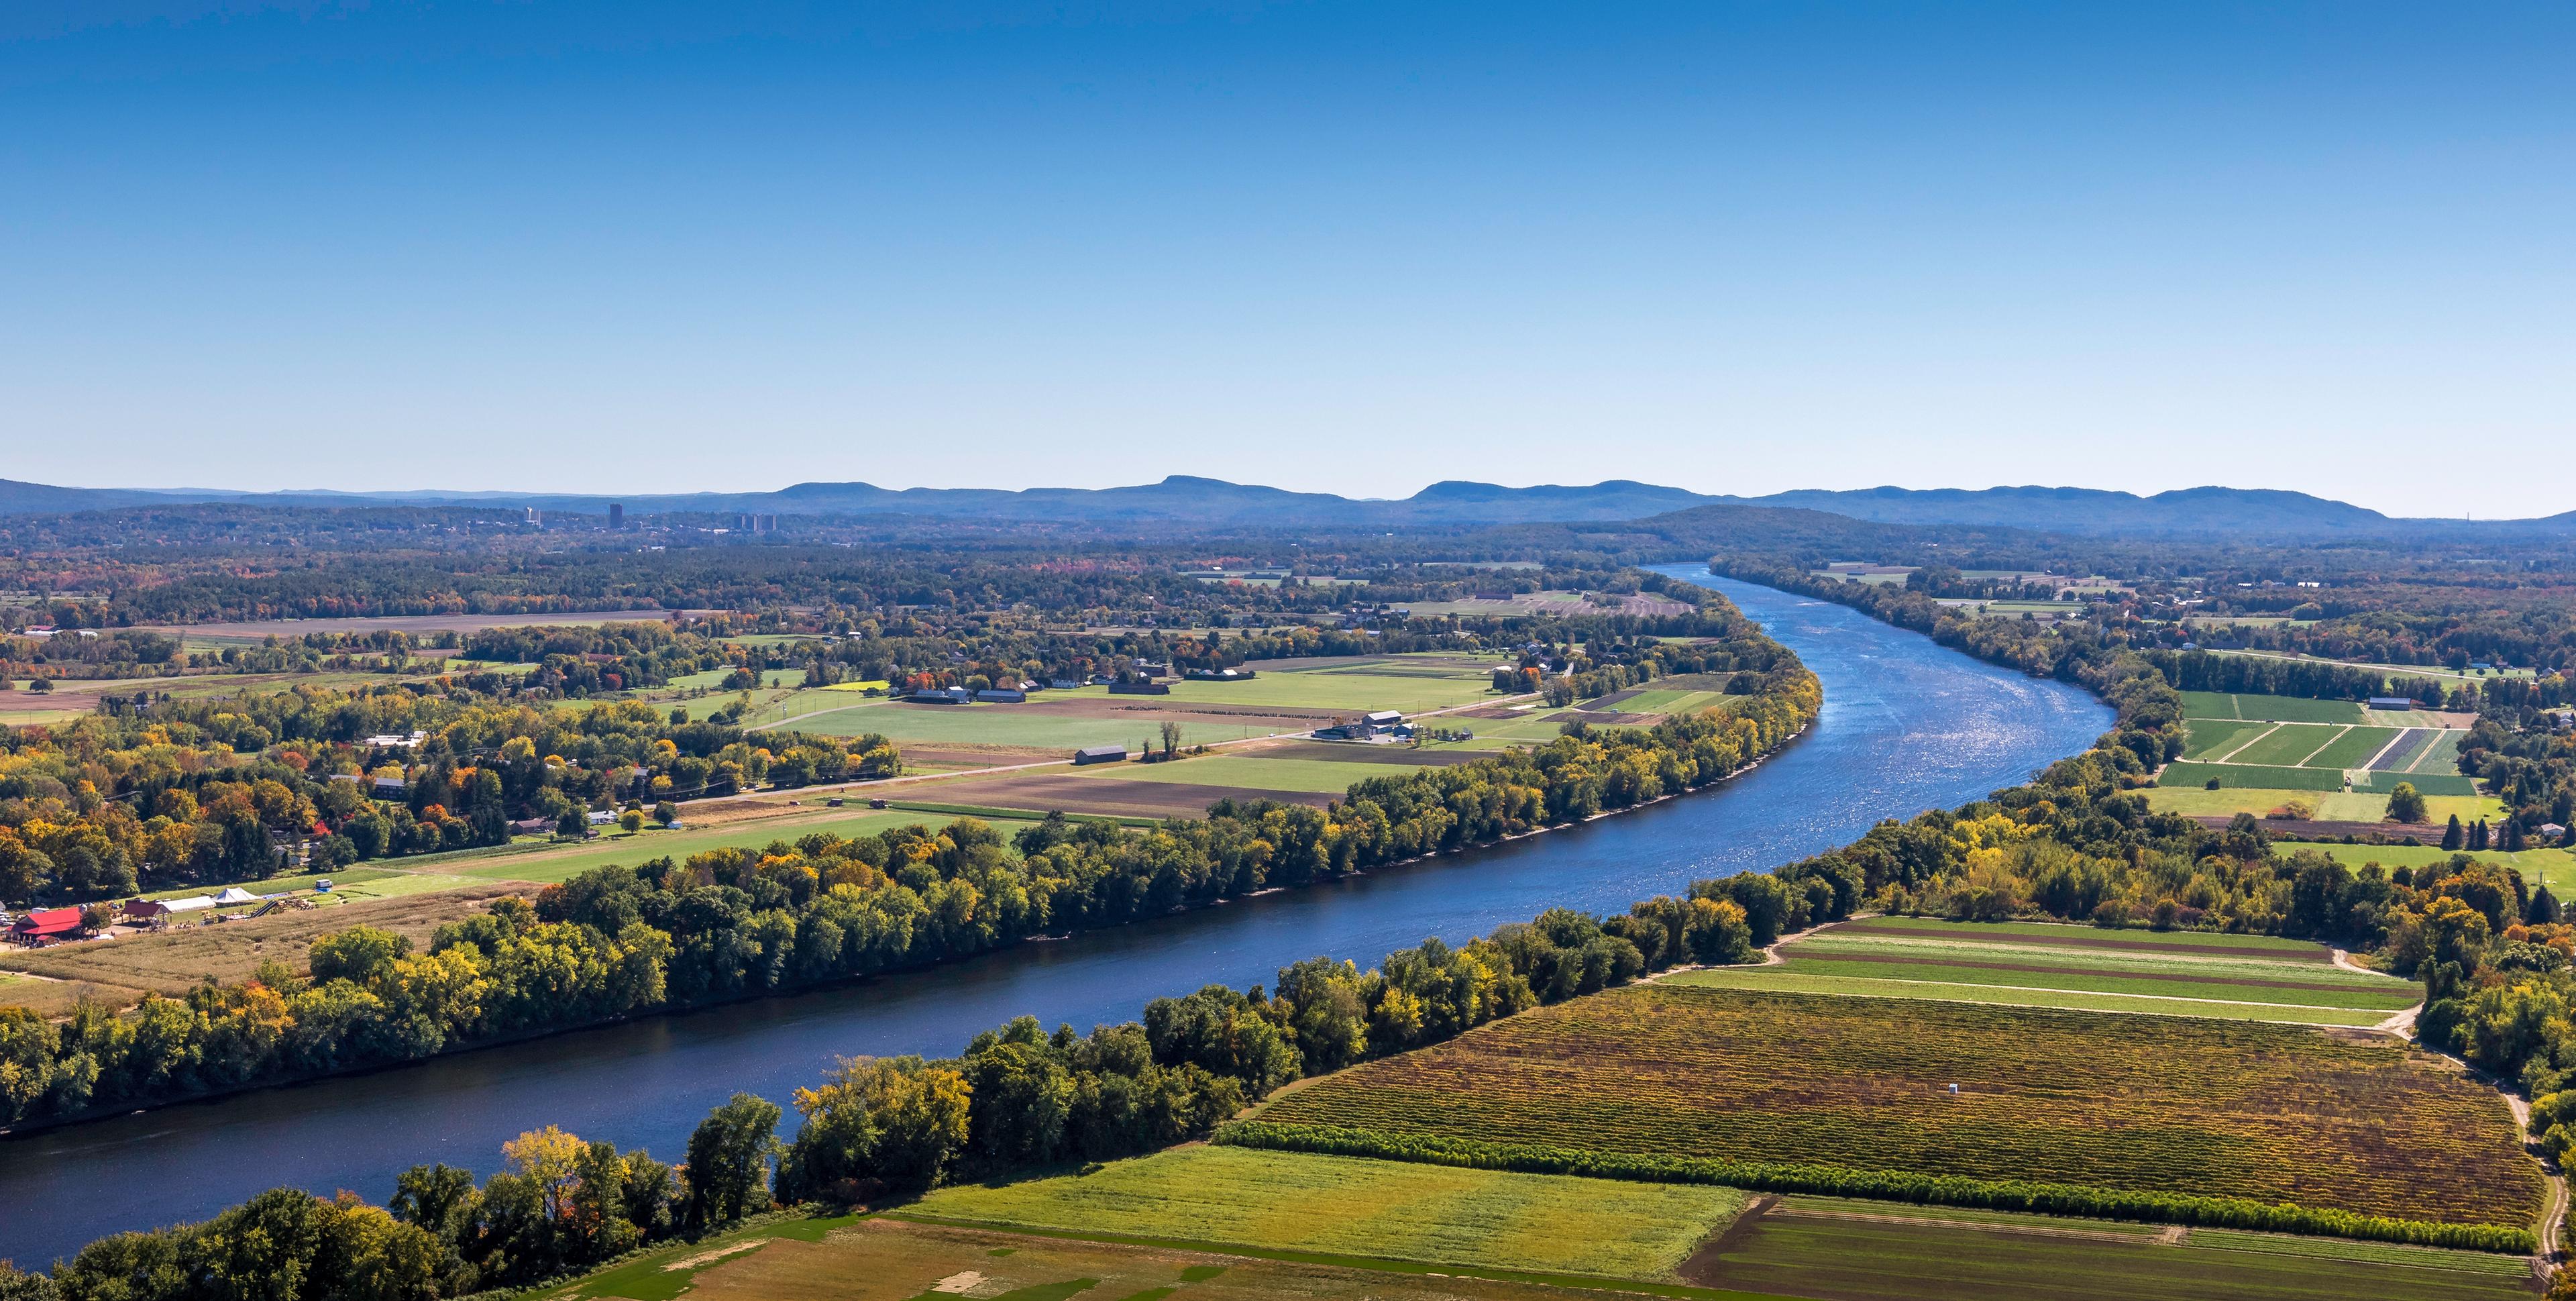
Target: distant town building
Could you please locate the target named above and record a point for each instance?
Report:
(535, 519)
(617, 514)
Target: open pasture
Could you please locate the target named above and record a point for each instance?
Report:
(2172, 1105)
(1262, 771)
(2179, 973)
(2555, 868)
(1352, 1206)
(1115, 791)
(1871, 1251)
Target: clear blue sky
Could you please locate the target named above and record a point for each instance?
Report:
(1358, 247)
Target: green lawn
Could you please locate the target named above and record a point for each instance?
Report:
(1286, 1201)
(1861, 1251)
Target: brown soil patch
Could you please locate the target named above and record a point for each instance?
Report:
(1048, 792)
(2089, 941)
(960, 754)
(173, 962)
(1706, 1267)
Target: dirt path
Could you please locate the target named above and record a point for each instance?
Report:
(2402, 1024)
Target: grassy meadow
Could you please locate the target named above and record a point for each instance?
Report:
(1350, 1206)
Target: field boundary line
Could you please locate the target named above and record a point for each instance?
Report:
(1374, 1264)
(2042, 989)
(2339, 735)
(2371, 764)
(2230, 756)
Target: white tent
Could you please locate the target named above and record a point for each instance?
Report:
(193, 903)
(236, 894)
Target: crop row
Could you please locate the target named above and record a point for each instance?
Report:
(1949, 1190)
(2146, 1104)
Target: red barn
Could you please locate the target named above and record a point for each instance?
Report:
(46, 925)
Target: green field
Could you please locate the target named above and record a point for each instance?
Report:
(2555, 868)
(2214, 737)
(2178, 973)
(2425, 783)
(2331, 806)
(2354, 747)
(1865, 1251)
(1012, 725)
(2183, 773)
(2270, 709)
(546, 864)
(1291, 1201)
(2156, 1104)
(1404, 687)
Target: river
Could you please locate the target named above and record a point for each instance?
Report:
(1906, 726)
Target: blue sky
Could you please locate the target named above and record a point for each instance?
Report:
(1355, 247)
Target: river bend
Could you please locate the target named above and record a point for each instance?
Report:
(1907, 725)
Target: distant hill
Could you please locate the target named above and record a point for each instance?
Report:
(2246, 512)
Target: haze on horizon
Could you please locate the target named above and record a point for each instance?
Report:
(650, 248)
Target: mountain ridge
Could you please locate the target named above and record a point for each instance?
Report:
(1196, 499)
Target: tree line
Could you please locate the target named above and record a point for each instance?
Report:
(729, 923)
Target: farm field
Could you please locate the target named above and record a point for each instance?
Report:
(2169, 973)
(1873, 1251)
(410, 623)
(2184, 773)
(2270, 709)
(886, 1259)
(2157, 1104)
(1256, 772)
(1351, 1206)
(1037, 725)
(545, 864)
(2555, 868)
(174, 962)
(2435, 672)
(2331, 806)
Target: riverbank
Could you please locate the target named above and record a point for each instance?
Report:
(1905, 726)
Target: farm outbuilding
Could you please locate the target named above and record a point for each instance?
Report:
(1100, 754)
(2392, 702)
(46, 926)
